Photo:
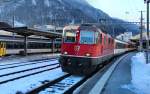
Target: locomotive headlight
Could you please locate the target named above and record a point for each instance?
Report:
(65, 53)
(87, 54)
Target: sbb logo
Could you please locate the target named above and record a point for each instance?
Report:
(76, 48)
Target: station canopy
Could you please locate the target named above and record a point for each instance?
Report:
(25, 31)
(137, 37)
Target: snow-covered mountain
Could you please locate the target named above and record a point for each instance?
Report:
(60, 12)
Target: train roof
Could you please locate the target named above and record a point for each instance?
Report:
(102, 28)
(75, 26)
(68, 27)
(121, 41)
(6, 33)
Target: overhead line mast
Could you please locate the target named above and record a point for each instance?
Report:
(147, 3)
(141, 32)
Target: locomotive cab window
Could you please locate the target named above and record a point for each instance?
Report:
(88, 37)
(69, 36)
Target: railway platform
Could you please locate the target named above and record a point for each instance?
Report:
(120, 77)
(111, 80)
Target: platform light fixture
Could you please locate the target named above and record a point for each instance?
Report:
(65, 53)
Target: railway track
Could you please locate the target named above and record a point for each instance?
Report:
(61, 84)
(30, 81)
(7, 79)
(19, 72)
(7, 74)
(21, 65)
(67, 83)
(64, 84)
(12, 65)
(11, 72)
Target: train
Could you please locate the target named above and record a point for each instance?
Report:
(86, 46)
(11, 44)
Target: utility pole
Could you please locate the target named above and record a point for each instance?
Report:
(141, 31)
(147, 4)
(13, 20)
(13, 23)
(113, 31)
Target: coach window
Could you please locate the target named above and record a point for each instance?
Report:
(104, 40)
(100, 38)
(69, 36)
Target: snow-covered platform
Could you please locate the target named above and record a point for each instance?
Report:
(111, 80)
(120, 77)
(127, 75)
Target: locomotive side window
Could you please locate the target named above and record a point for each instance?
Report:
(104, 40)
(69, 36)
(100, 38)
(120, 45)
(109, 40)
(88, 37)
(112, 41)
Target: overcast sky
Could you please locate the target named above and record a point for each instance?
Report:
(123, 9)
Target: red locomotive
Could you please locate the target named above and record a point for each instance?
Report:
(86, 46)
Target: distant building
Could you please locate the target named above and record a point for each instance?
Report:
(125, 36)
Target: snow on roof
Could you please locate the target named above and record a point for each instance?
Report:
(18, 24)
(71, 27)
(120, 41)
(2, 32)
(137, 37)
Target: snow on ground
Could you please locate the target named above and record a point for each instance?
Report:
(26, 65)
(25, 84)
(17, 59)
(140, 72)
(30, 82)
(7, 71)
(4, 78)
